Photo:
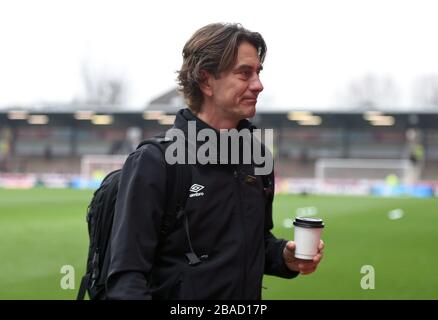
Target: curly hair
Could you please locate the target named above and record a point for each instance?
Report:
(213, 48)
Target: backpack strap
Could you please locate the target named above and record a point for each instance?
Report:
(268, 186)
(83, 287)
(179, 179)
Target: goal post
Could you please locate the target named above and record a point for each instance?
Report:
(362, 169)
(96, 167)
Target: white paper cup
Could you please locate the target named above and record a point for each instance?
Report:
(306, 237)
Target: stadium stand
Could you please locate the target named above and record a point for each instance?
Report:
(53, 139)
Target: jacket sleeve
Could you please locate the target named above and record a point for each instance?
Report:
(137, 221)
(274, 261)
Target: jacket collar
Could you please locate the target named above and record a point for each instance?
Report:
(185, 115)
(182, 119)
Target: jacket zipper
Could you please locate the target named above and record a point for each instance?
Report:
(242, 218)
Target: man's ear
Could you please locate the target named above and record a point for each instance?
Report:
(205, 84)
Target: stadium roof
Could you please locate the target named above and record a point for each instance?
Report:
(171, 101)
(148, 118)
(161, 110)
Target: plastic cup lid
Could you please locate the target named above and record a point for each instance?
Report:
(305, 222)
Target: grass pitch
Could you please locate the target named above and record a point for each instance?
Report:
(41, 230)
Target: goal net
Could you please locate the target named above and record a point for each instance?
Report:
(96, 167)
(362, 169)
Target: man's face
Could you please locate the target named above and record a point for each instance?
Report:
(235, 91)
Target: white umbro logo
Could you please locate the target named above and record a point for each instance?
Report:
(195, 188)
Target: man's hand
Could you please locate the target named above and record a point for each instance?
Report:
(300, 265)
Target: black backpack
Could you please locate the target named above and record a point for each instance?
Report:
(100, 215)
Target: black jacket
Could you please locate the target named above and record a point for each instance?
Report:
(230, 223)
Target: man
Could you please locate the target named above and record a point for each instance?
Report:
(230, 220)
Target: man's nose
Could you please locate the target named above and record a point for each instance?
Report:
(256, 85)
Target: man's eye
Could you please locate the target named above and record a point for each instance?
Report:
(246, 74)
